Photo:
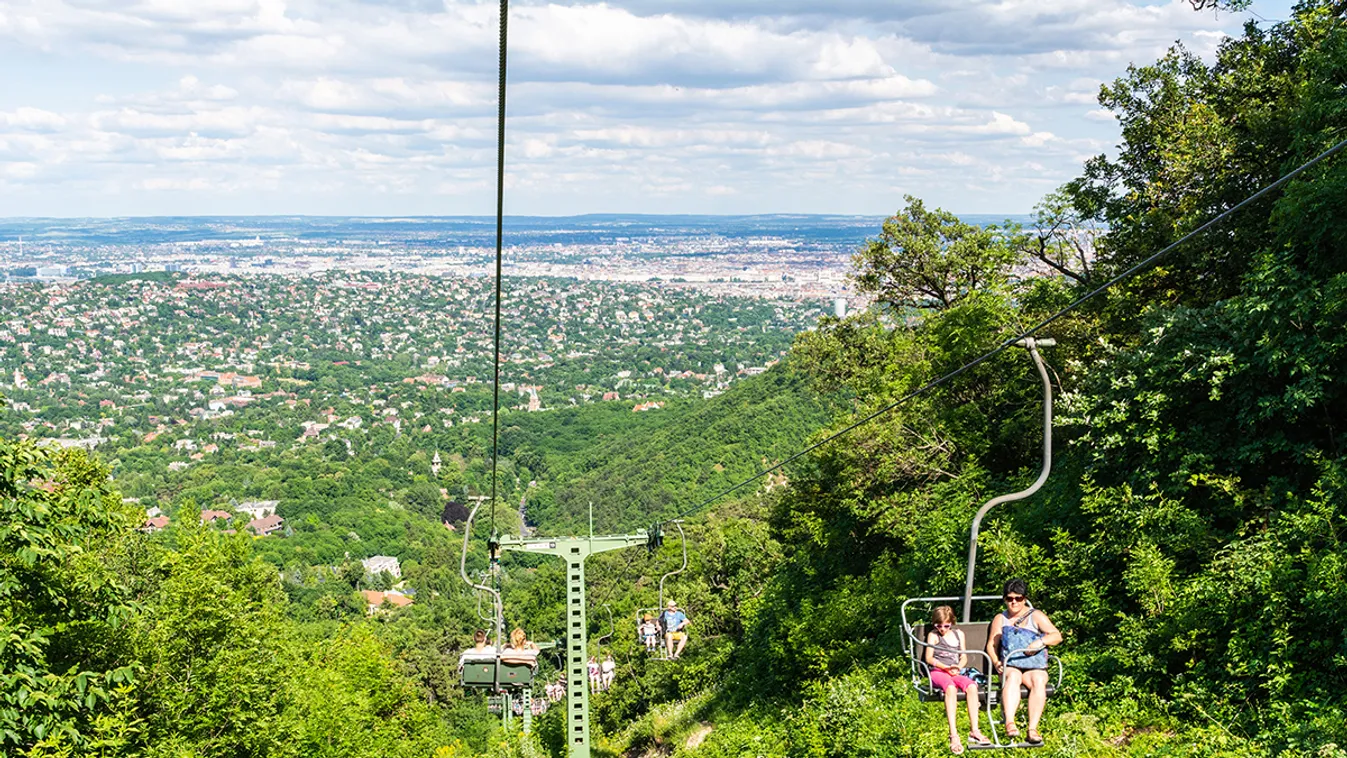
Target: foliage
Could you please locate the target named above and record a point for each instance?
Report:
(63, 534)
(927, 259)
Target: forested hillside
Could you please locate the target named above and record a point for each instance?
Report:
(1188, 543)
(652, 471)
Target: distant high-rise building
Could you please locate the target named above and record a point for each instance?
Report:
(840, 307)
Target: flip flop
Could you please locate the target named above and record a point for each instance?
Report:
(955, 746)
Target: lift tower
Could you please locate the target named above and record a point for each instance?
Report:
(574, 551)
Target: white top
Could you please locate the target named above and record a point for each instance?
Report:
(487, 653)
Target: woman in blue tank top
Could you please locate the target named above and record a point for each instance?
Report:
(1017, 645)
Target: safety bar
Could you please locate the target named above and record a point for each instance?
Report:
(1056, 685)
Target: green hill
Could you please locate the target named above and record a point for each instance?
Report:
(639, 467)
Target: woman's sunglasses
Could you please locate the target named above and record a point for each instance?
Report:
(1014, 598)
(943, 626)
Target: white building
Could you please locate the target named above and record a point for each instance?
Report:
(257, 509)
(378, 563)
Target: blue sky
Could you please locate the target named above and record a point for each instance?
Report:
(369, 107)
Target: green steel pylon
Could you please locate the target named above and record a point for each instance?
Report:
(574, 551)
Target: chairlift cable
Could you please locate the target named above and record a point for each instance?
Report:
(500, 234)
(1032, 331)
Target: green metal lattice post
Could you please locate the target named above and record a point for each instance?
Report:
(574, 551)
(527, 697)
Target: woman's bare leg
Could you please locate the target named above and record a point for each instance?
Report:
(1010, 694)
(1038, 695)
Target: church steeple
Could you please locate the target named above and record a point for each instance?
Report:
(435, 464)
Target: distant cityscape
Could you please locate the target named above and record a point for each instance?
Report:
(775, 257)
(797, 257)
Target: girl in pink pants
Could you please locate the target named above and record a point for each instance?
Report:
(945, 660)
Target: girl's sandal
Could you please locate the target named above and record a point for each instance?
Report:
(978, 738)
(1012, 731)
(1034, 737)
(955, 746)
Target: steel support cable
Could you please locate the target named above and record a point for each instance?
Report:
(1030, 332)
(500, 235)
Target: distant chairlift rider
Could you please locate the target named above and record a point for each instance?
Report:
(675, 630)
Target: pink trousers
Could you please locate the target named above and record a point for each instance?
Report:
(941, 680)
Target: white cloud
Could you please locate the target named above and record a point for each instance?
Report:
(350, 106)
(32, 119)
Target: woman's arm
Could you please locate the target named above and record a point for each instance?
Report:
(1050, 634)
(994, 641)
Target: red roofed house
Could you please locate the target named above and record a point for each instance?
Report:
(208, 516)
(155, 524)
(375, 600)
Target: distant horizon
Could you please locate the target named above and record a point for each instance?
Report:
(492, 217)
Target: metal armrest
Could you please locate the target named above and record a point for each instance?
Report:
(1057, 685)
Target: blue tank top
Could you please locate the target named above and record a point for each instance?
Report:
(1017, 636)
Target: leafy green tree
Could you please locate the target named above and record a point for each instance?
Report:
(930, 259)
(64, 535)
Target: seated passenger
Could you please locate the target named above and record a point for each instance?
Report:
(595, 677)
(607, 671)
(520, 650)
(1017, 645)
(945, 664)
(649, 632)
(675, 630)
(479, 649)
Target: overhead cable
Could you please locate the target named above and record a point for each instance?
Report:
(500, 235)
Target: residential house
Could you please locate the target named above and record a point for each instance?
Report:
(256, 509)
(379, 563)
(375, 601)
(263, 527)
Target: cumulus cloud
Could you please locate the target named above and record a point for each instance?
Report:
(350, 106)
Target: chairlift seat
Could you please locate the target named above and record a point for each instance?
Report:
(975, 640)
(511, 671)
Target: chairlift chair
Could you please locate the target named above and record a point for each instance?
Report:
(502, 670)
(661, 651)
(976, 633)
(975, 637)
(612, 630)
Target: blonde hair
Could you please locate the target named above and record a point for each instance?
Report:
(518, 638)
(942, 615)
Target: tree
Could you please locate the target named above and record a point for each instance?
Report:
(64, 535)
(930, 259)
(1063, 238)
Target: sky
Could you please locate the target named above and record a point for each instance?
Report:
(388, 107)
